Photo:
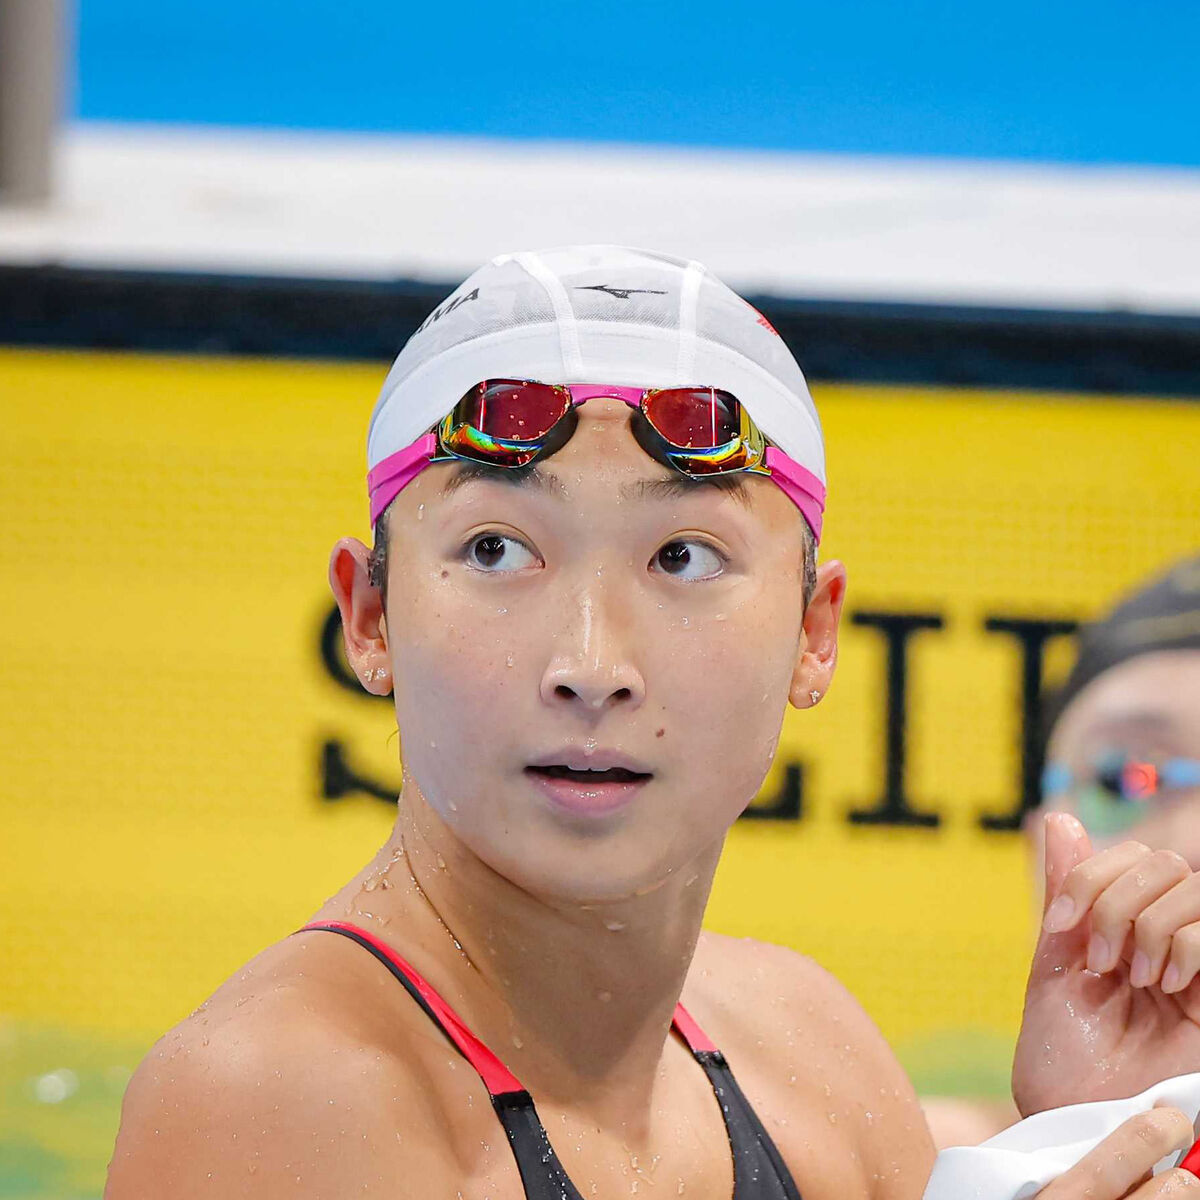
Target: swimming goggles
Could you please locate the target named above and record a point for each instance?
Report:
(698, 431)
(1114, 795)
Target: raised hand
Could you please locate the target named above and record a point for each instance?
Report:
(1113, 1002)
(1119, 1167)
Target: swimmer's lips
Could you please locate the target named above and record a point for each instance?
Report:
(608, 775)
(593, 783)
(596, 765)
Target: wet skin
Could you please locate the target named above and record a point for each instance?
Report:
(598, 610)
(1142, 892)
(1148, 708)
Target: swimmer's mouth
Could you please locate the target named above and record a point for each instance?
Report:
(590, 766)
(587, 775)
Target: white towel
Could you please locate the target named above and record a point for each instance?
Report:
(1019, 1162)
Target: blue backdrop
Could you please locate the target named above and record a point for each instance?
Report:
(1086, 82)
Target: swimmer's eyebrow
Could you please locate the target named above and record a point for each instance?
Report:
(675, 486)
(529, 477)
(1140, 720)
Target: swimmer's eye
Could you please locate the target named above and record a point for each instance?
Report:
(1120, 787)
(688, 560)
(497, 552)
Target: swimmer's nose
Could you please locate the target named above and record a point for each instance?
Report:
(591, 666)
(594, 686)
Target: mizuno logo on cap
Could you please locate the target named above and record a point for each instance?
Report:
(619, 293)
(446, 309)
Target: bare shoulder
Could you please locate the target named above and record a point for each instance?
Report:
(259, 1090)
(745, 970)
(765, 996)
(800, 1043)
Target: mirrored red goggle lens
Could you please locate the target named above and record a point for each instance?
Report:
(694, 418)
(512, 409)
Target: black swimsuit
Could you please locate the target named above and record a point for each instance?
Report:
(758, 1171)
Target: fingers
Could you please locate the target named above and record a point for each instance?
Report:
(1131, 889)
(1087, 880)
(1125, 901)
(1167, 935)
(1067, 844)
(1113, 1170)
(1168, 1184)
(1184, 962)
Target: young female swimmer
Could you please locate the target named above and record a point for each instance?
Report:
(595, 604)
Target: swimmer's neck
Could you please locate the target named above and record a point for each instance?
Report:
(576, 999)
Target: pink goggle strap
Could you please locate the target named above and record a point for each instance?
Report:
(387, 478)
(800, 486)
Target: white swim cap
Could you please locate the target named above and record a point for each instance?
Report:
(597, 314)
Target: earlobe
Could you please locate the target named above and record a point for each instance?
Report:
(816, 657)
(360, 604)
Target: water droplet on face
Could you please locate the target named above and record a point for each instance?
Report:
(604, 997)
(420, 512)
(614, 926)
(441, 863)
(508, 662)
(516, 1041)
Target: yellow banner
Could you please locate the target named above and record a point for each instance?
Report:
(187, 775)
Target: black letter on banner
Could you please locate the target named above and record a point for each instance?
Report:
(788, 804)
(339, 779)
(893, 808)
(1032, 635)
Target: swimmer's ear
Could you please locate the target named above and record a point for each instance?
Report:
(361, 606)
(816, 656)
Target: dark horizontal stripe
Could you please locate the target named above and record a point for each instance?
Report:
(960, 345)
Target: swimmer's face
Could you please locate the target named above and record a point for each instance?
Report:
(1146, 709)
(598, 609)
